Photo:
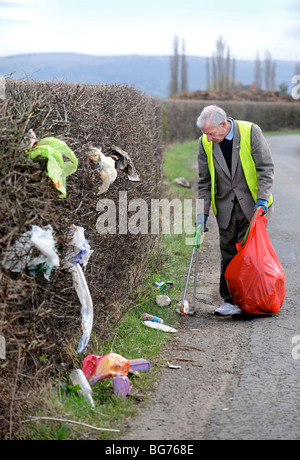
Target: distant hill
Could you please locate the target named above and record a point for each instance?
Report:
(150, 74)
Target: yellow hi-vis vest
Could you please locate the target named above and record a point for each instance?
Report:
(246, 158)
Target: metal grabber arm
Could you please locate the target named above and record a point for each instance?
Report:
(196, 245)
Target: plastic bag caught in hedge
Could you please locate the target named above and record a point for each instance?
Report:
(79, 253)
(255, 277)
(105, 166)
(81, 250)
(57, 169)
(21, 257)
(86, 302)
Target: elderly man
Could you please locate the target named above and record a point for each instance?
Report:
(236, 174)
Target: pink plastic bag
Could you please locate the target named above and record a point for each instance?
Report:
(255, 277)
(102, 367)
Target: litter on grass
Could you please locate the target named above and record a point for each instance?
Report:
(163, 285)
(161, 327)
(121, 385)
(102, 367)
(78, 378)
(147, 317)
(173, 366)
(182, 181)
(163, 300)
(139, 364)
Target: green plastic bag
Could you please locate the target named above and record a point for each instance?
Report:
(57, 169)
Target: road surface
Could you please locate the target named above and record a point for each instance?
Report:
(265, 392)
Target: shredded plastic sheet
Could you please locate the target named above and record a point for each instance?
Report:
(80, 251)
(105, 166)
(78, 255)
(255, 277)
(21, 258)
(125, 162)
(57, 169)
(86, 302)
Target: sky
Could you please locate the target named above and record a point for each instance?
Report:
(120, 27)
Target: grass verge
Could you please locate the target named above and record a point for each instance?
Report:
(132, 339)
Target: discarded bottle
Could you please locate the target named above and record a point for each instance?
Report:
(78, 378)
(163, 285)
(147, 317)
(184, 308)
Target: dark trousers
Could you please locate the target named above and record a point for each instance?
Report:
(228, 238)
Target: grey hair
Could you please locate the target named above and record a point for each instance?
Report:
(211, 113)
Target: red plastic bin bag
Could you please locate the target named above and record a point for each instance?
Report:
(255, 277)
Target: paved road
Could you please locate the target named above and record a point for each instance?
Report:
(262, 400)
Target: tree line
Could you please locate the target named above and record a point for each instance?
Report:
(221, 70)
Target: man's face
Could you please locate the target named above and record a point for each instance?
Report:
(215, 133)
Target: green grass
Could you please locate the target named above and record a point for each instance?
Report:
(132, 339)
(276, 133)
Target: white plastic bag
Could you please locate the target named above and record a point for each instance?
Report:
(21, 257)
(81, 250)
(79, 253)
(87, 313)
(106, 168)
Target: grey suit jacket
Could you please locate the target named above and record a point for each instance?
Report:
(231, 185)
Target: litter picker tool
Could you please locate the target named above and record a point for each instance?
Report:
(185, 308)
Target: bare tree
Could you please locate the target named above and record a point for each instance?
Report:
(258, 77)
(222, 66)
(270, 71)
(184, 70)
(233, 70)
(214, 73)
(174, 67)
(178, 83)
(273, 76)
(207, 73)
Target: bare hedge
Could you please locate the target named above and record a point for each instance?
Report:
(41, 320)
(181, 116)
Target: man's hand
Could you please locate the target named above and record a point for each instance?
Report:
(201, 220)
(262, 203)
